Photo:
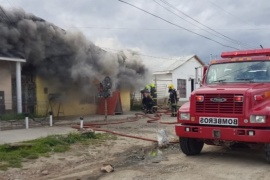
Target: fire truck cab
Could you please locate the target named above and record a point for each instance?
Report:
(232, 106)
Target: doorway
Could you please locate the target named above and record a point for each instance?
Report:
(192, 84)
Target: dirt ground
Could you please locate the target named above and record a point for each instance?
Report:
(142, 160)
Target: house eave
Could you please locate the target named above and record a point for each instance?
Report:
(162, 72)
(12, 59)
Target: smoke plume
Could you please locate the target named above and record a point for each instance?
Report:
(66, 58)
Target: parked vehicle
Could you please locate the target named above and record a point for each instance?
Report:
(232, 106)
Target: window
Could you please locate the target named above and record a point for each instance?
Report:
(239, 72)
(181, 87)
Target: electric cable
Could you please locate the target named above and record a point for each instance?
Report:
(228, 12)
(156, 57)
(224, 38)
(2, 17)
(231, 39)
(160, 29)
(9, 22)
(169, 22)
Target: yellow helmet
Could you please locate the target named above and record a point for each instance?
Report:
(152, 85)
(147, 87)
(171, 86)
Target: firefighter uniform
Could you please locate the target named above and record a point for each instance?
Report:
(153, 93)
(173, 99)
(147, 100)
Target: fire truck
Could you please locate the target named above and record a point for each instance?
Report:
(231, 107)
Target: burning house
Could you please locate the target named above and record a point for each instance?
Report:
(62, 68)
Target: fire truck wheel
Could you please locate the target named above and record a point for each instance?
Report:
(190, 146)
(267, 152)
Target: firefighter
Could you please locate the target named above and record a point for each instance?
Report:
(147, 100)
(173, 99)
(153, 93)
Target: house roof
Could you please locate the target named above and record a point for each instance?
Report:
(162, 66)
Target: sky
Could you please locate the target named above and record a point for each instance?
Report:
(160, 29)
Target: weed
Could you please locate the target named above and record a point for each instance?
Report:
(13, 157)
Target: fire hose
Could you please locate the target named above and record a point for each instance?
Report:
(97, 126)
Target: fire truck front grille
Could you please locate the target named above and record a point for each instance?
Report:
(209, 105)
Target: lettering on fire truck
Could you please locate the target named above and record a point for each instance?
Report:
(225, 121)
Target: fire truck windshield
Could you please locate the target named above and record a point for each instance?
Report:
(235, 72)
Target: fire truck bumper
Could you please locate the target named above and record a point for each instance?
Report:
(223, 133)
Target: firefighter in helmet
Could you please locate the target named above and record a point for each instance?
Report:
(173, 99)
(147, 100)
(153, 92)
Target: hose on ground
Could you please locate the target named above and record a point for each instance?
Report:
(152, 119)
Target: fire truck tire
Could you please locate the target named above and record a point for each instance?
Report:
(190, 146)
(267, 152)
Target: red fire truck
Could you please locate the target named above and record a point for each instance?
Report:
(231, 107)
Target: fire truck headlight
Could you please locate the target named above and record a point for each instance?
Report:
(257, 119)
(184, 116)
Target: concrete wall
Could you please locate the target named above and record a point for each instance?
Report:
(5, 82)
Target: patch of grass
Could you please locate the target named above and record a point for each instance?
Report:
(13, 157)
(15, 116)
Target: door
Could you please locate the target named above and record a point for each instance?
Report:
(192, 84)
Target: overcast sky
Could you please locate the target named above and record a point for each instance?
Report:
(175, 28)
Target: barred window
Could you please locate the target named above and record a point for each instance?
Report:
(181, 87)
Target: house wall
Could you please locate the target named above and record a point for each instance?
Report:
(125, 100)
(187, 72)
(162, 81)
(5, 82)
(71, 104)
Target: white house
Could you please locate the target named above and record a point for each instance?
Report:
(179, 71)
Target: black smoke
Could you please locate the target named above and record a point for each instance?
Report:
(65, 58)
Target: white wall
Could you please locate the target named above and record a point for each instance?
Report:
(186, 71)
(162, 81)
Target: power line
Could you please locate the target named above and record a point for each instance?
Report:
(222, 37)
(6, 18)
(2, 16)
(162, 29)
(156, 57)
(232, 40)
(178, 25)
(228, 12)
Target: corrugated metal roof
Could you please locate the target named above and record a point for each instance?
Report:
(165, 65)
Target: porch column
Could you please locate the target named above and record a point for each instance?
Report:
(19, 87)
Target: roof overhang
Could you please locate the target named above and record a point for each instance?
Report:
(162, 72)
(12, 59)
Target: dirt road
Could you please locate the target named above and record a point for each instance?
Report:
(141, 160)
